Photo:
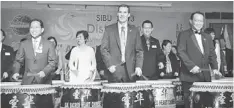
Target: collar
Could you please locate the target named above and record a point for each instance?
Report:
(146, 38)
(123, 24)
(37, 39)
(196, 31)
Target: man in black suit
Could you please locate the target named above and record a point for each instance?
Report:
(151, 47)
(196, 50)
(7, 58)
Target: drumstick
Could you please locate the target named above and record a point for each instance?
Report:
(119, 64)
(31, 74)
(144, 77)
(204, 69)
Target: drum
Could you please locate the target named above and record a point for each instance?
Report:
(82, 95)
(126, 95)
(58, 95)
(163, 93)
(216, 94)
(26, 96)
(179, 94)
(57, 85)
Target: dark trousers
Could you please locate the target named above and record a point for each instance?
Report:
(229, 60)
(186, 86)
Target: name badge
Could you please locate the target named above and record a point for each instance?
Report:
(39, 50)
(7, 53)
(154, 46)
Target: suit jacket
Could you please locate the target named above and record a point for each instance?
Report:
(190, 54)
(174, 65)
(100, 64)
(45, 61)
(7, 58)
(111, 49)
(151, 58)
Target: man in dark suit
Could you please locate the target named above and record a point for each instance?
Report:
(38, 55)
(7, 58)
(197, 52)
(121, 48)
(152, 51)
(122, 53)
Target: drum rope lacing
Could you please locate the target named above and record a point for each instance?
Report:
(212, 87)
(28, 89)
(93, 85)
(123, 88)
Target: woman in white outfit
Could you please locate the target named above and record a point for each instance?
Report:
(82, 61)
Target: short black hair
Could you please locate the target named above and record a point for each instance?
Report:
(51, 37)
(40, 21)
(165, 42)
(85, 34)
(175, 47)
(209, 30)
(3, 33)
(124, 5)
(147, 21)
(197, 12)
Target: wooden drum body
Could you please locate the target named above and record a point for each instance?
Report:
(83, 95)
(126, 95)
(179, 94)
(163, 93)
(26, 96)
(217, 94)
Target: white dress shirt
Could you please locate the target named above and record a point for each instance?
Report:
(217, 51)
(199, 41)
(0, 47)
(36, 43)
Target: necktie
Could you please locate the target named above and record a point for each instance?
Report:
(197, 32)
(123, 44)
(35, 46)
(148, 43)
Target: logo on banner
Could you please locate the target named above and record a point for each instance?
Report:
(28, 101)
(13, 102)
(20, 25)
